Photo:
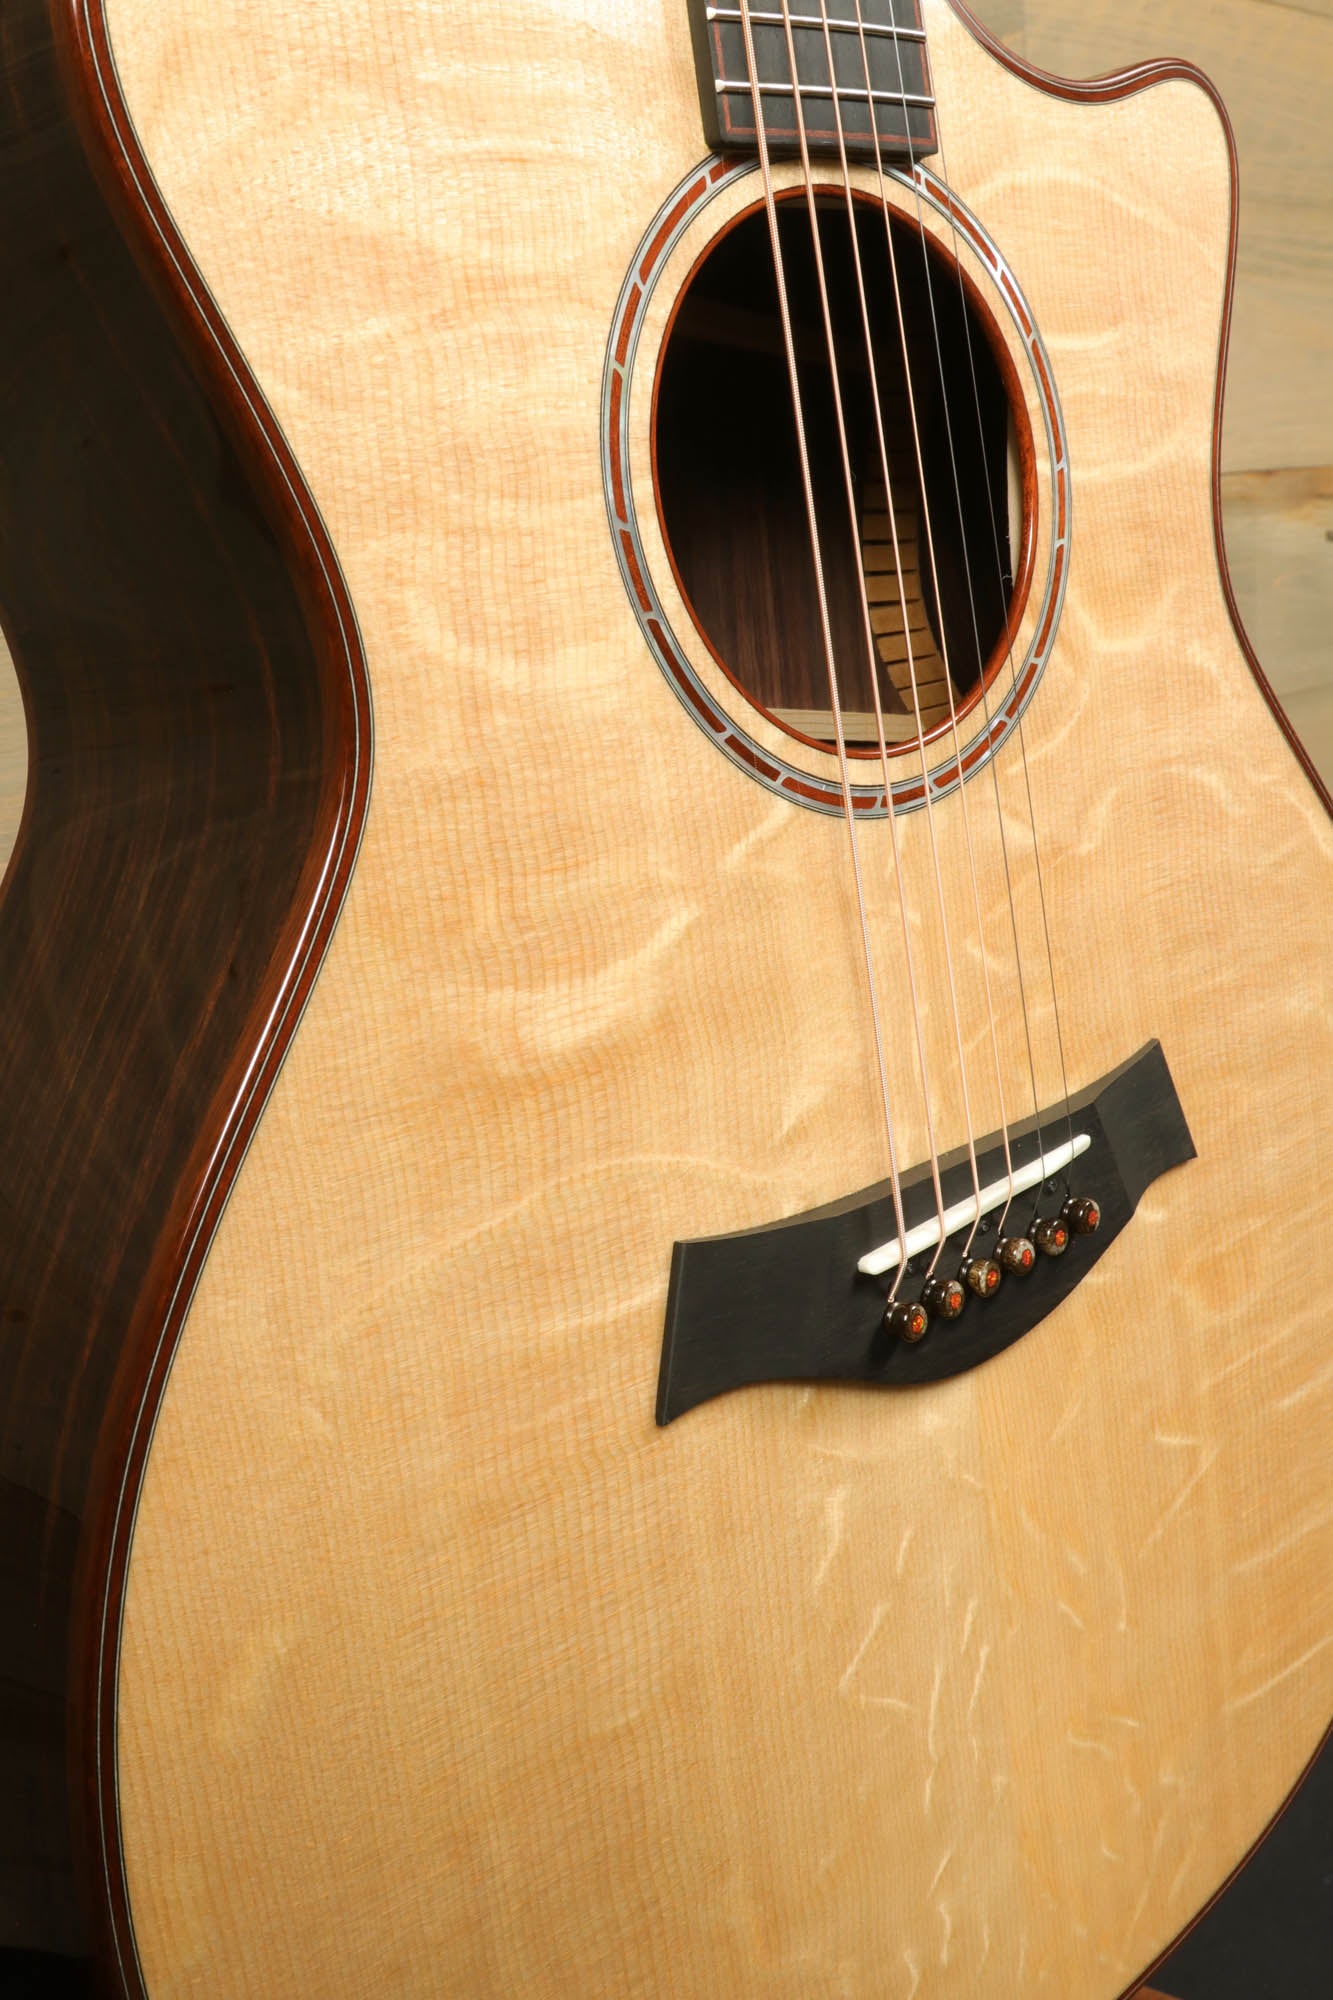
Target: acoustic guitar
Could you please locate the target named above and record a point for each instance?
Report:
(666, 1056)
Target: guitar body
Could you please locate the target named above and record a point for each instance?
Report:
(430, 1664)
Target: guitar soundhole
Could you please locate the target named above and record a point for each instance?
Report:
(730, 495)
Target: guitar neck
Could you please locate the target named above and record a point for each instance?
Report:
(872, 53)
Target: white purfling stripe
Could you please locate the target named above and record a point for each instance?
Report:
(927, 1234)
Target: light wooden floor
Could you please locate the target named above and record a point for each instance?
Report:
(1274, 64)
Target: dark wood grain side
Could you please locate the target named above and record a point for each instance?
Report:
(199, 731)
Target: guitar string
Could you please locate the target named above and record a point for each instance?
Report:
(770, 205)
(1013, 671)
(971, 586)
(1022, 741)
(928, 528)
(877, 407)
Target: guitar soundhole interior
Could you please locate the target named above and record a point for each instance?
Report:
(729, 487)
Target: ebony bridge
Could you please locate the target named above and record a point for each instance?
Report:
(787, 1301)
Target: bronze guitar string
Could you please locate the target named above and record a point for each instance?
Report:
(1022, 744)
(971, 601)
(877, 407)
(789, 343)
(869, 633)
(756, 88)
(1007, 625)
(971, 592)
(945, 938)
(944, 645)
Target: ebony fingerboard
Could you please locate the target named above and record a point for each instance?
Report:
(879, 68)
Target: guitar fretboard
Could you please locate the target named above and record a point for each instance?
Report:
(879, 70)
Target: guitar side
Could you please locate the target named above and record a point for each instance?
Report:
(198, 731)
(438, 1661)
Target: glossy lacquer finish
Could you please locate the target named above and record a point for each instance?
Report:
(581, 1706)
(199, 737)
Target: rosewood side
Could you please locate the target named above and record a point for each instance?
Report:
(199, 734)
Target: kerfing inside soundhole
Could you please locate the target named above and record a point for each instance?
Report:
(731, 500)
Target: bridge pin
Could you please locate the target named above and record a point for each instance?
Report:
(945, 1297)
(981, 1275)
(907, 1320)
(1017, 1254)
(1082, 1214)
(1051, 1236)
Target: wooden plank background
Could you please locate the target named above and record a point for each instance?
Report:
(1273, 60)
